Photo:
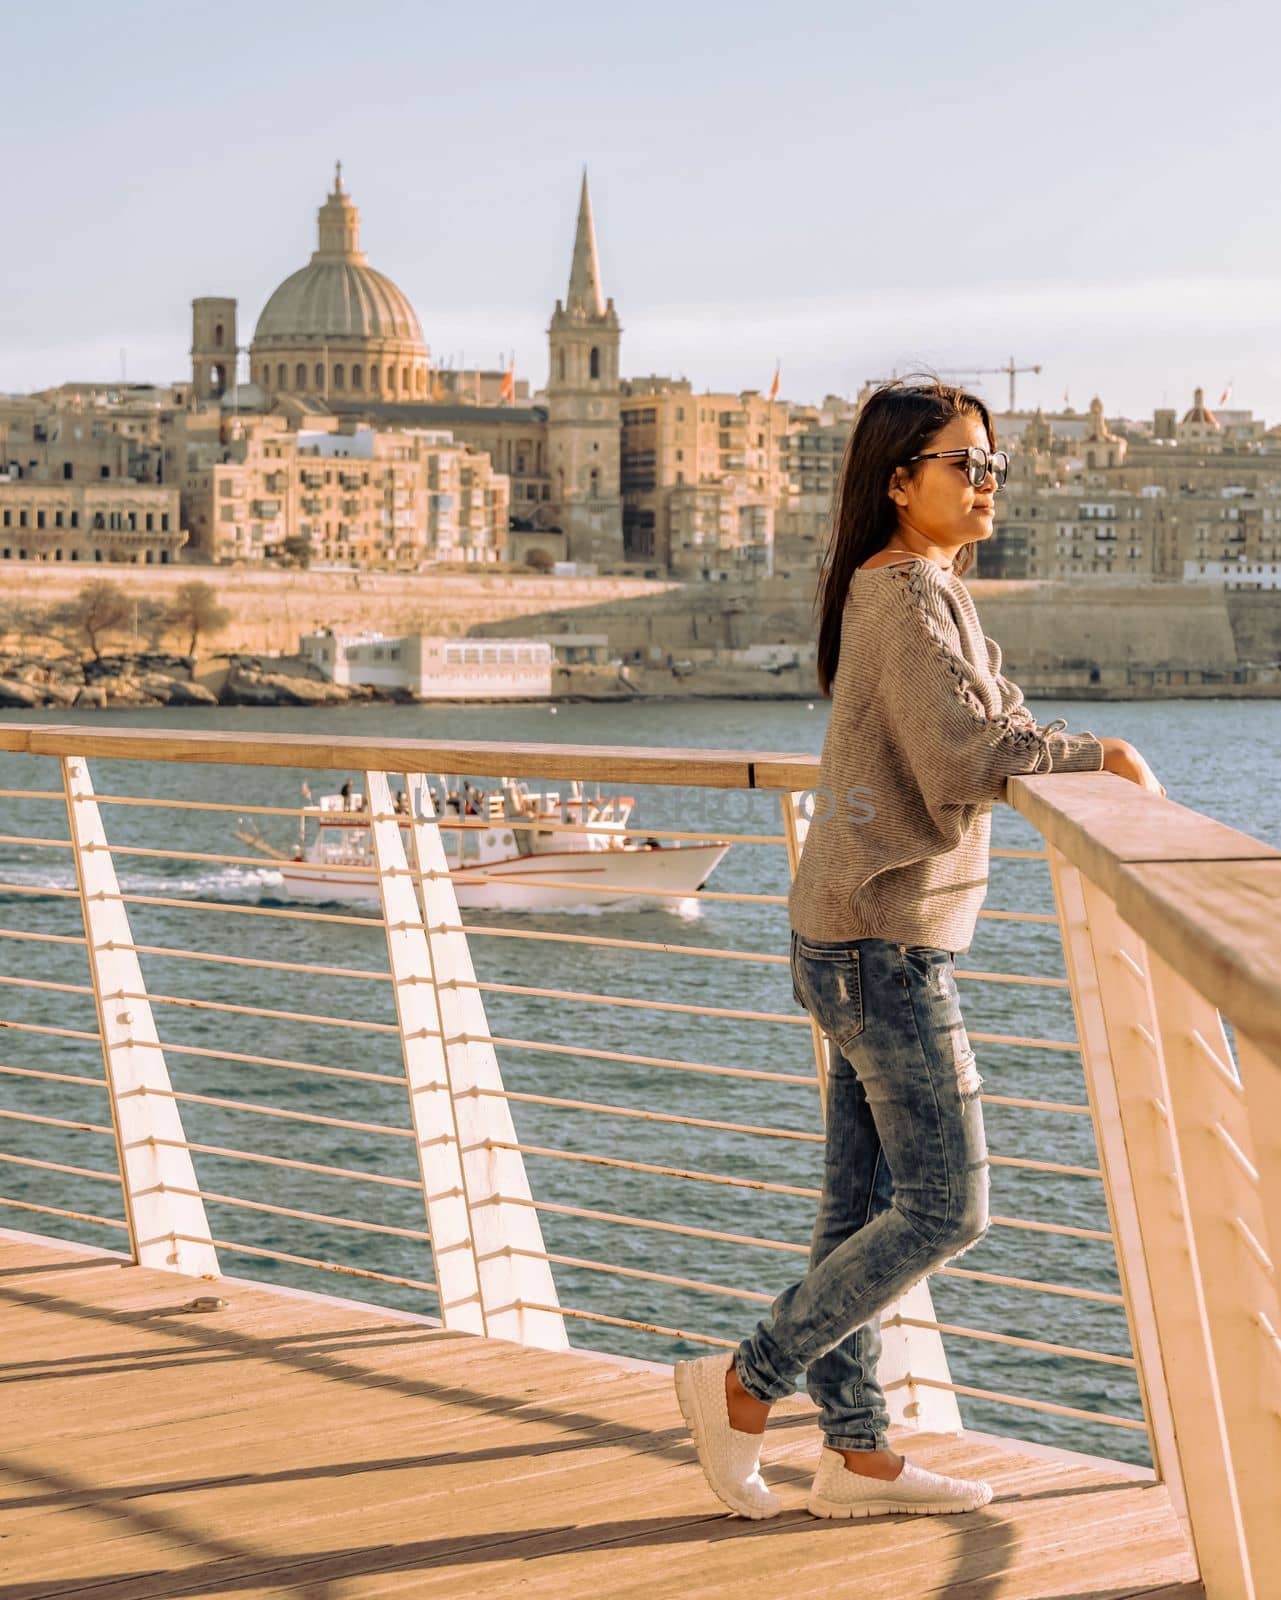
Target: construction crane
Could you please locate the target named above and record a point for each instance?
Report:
(1009, 369)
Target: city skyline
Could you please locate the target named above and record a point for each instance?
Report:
(1118, 244)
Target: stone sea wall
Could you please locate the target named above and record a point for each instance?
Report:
(1087, 640)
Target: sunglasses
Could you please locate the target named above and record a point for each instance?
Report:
(978, 463)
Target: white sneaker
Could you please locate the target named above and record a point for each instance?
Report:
(838, 1492)
(729, 1457)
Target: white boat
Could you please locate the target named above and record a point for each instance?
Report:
(509, 849)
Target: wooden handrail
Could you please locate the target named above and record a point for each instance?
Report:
(708, 769)
(1203, 896)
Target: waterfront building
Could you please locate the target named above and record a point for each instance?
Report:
(702, 477)
(815, 450)
(341, 494)
(339, 339)
(1182, 499)
(435, 667)
(80, 481)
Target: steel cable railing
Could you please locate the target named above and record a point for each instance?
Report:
(540, 1063)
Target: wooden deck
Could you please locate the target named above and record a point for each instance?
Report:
(295, 1446)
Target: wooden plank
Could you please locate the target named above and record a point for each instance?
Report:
(344, 1455)
(1109, 821)
(713, 769)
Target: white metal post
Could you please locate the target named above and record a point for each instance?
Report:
(430, 1105)
(504, 1238)
(907, 1353)
(137, 1078)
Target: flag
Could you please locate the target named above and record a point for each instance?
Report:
(1227, 394)
(773, 388)
(507, 388)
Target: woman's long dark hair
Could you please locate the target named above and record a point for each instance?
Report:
(897, 421)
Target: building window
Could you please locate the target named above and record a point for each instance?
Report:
(391, 380)
(562, 366)
(357, 377)
(164, 522)
(595, 362)
(404, 380)
(218, 335)
(75, 519)
(67, 469)
(320, 376)
(375, 376)
(300, 375)
(280, 376)
(338, 375)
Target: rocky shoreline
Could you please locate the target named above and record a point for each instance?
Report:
(30, 682)
(158, 680)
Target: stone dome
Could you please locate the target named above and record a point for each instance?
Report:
(337, 328)
(1200, 412)
(338, 300)
(338, 295)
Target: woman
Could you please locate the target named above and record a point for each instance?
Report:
(923, 733)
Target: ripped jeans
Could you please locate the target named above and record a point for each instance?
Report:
(905, 1175)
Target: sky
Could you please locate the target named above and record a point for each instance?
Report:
(847, 189)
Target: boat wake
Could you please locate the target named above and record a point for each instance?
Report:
(231, 884)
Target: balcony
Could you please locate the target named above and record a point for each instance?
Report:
(529, 1146)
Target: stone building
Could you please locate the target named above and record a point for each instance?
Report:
(1179, 501)
(317, 492)
(80, 480)
(815, 454)
(702, 476)
(583, 406)
(339, 339)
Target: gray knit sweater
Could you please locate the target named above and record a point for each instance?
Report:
(923, 733)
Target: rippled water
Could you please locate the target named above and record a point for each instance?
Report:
(1222, 758)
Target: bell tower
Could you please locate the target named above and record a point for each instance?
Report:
(583, 406)
(213, 347)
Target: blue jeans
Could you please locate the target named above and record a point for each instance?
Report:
(905, 1174)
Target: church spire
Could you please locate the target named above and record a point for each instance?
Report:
(584, 274)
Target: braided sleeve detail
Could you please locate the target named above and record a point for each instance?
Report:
(961, 748)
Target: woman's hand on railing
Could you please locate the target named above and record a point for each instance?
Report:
(1120, 756)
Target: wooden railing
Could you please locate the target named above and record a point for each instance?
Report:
(1166, 921)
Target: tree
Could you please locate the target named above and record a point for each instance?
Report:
(538, 559)
(152, 621)
(195, 610)
(98, 608)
